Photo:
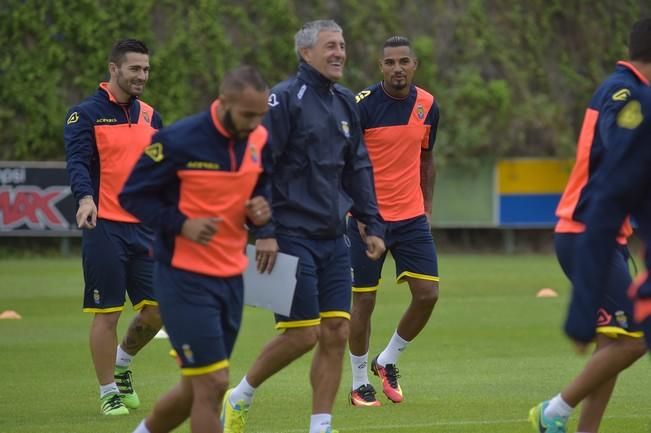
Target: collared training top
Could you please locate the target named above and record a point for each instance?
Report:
(396, 131)
(321, 168)
(195, 169)
(622, 187)
(103, 140)
(598, 132)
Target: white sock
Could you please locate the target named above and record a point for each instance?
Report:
(359, 364)
(242, 392)
(142, 428)
(109, 388)
(319, 422)
(393, 350)
(558, 407)
(122, 358)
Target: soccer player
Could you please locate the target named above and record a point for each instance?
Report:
(624, 189)
(320, 171)
(104, 137)
(197, 185)
(619, 339)
(399, 121)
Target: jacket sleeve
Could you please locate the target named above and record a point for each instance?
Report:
(278, 124)
(359, 184)
(144, 195)
(621, 183)
(263, 188)
(157, 121)
(433, 122)
(80, 149)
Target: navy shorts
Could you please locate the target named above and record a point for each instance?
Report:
(411, 245)
(323, 281)
(202, 316)
(117, 259)
(616, 314)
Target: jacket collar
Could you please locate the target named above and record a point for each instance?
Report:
(634, 70)
(313, 77)
(215, 120)
(104, 86)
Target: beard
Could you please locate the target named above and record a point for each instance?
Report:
(229, 124)
(125, 85)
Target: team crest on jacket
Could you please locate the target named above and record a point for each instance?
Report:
(345, 128)
(254, 155)
(420, 112)
(145, 114)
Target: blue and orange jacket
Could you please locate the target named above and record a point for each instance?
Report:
(622, 187)
(103, 140)
(396, 131)
(597, 135)
(321, 168)
(195, 169)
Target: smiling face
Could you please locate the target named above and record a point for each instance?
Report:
(128, 78)
(398, 66)
(328, 55)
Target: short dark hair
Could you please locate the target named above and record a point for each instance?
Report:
(241, 77)
(124, 46)
(397, 41)
(639, 42)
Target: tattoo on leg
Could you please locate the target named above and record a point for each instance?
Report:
(138, 334)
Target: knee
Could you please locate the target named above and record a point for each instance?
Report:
(634, 348)
(427, 294)
(210, 386)
(107, 320)
(335, 331)
(303, 339)
(364, 302)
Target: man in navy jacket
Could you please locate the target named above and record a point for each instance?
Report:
(321, 171)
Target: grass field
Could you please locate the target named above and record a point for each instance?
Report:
(492, 350)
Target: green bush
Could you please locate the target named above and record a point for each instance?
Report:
(511, 80)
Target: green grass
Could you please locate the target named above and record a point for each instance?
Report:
(491, 351)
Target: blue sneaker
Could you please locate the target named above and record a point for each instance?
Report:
(542, 424)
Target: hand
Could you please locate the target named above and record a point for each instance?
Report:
(200, 230)
(362, 230)
(258, 210)
(87, 213)
(266, 251)
(374, 247)
(428, 215)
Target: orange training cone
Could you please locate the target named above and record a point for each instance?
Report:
(10, 314)
(546, 293)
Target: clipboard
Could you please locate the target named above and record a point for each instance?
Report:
(273, 291)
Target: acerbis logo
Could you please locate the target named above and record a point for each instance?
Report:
(32, 206)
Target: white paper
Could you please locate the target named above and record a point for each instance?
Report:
(273, 291)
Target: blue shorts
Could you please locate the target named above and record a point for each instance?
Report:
(411, 245)
(202, 316)
(616, 314)
(323, 280)
(117, 259)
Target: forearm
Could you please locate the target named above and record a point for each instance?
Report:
(427, 179)
(359, 186)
